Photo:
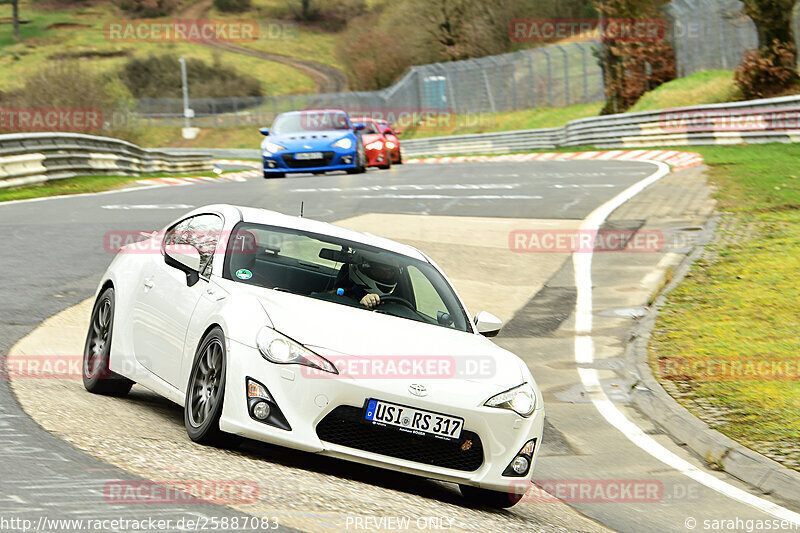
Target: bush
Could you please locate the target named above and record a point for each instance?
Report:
(73, 85)
(768, 71)
(233, 6)
(160, 77)
(150, 8)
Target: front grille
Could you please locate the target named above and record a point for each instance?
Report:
(343, 426)
(291, 162)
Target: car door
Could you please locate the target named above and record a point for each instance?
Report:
(166, 301)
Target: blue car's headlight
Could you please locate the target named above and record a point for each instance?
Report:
(270, 147)
(345, 143)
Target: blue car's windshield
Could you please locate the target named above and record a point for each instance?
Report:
(310, 121)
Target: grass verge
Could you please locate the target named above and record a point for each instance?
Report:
(726, 343)
(76, 185)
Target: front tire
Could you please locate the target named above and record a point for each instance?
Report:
(489, 498)
(206, 391)
(388, 158)
(270, 175)
(97, 376)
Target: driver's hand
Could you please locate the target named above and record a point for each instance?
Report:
(371, 301)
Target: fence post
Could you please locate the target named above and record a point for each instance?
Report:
(549, 77)
(585, 74)
(529, 55)
(566, 74)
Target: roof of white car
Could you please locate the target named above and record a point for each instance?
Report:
(273, 218)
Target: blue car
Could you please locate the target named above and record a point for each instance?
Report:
(316, 141)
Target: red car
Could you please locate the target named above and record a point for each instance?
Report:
(392, 142)
(378, 153)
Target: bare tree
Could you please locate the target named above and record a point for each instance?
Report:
(14, 16)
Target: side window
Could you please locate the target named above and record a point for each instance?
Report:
(202, 232)
(428, 300)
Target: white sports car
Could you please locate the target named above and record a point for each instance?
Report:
(304, 334)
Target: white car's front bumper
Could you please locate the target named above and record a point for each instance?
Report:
(306, 400)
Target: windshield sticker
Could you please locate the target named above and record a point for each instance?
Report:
(243, 273)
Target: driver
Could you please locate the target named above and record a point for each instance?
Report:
(373, 277)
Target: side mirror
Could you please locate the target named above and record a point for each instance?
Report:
(359, 126)
(397, 132)
(184, 257)
(487, 324)
(264, 131)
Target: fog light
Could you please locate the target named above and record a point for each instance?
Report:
(347, 159)
(261, 410)
(520, 465)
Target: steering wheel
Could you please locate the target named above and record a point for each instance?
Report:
(399, 300)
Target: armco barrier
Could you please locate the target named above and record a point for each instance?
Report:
(37, 157)
(748, 122)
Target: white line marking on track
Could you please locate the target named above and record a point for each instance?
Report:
(584, 354)
(442, 197)
(146, 206)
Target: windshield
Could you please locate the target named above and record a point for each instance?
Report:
(310, 121)
(342, 272)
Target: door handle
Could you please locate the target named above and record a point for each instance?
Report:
(148, 283)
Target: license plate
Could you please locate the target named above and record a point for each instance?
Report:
(412, 420)
(308, 155)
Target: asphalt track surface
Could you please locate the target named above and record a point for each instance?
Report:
(53, 258)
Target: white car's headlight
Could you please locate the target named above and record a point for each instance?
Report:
(521, 400)
(271, 147)
(375, 145)
(345, 143)
(284, 351)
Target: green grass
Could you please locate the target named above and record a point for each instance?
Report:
(77, 185)
(708, 87)
(41, 41)
(742, 302)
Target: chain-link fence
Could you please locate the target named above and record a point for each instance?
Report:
(709, 34)
(548, 76)
(706, 34)
(713, 34)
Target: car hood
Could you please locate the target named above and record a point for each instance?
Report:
(314, 139)
(331, 330)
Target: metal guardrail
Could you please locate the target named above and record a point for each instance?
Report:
(38, 157)
(749, 122)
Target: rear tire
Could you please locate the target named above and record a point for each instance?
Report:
(206, 392)
(489, 498)
(97, 377)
